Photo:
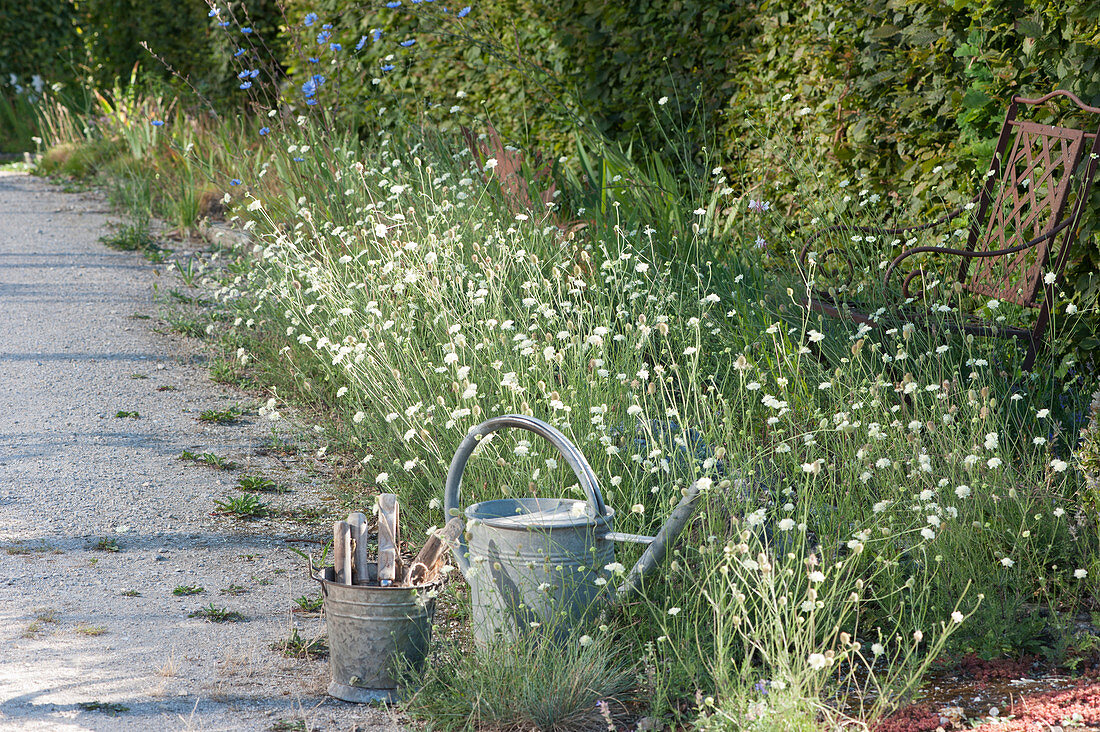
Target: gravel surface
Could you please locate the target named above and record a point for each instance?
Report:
(93, 639)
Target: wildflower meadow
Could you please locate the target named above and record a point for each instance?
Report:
(393, 263)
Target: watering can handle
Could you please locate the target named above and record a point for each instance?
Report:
(452, 498)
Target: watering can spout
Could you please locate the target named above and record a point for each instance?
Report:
(658, 545)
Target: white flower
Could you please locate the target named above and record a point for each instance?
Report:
(786, 524)
(1059, 465)
(994, 462)
(674, 611)
(1071, 309)
(962, 491)
(817, 576)
(662, 101)
(359, 417)
(815, 336)
(928, 533)
(817, 661)
(956, 617)
(634, 410)
(877, 649)
(490, 163)
(1049, 278)
(1007, 562)
(585, 640)
(637, 508)
(991, 441)
(1042, 413)
(382, 478)
(615, 567)
(255, 205)
(1080, 573)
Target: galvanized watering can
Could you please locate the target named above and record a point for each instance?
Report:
(534, 562)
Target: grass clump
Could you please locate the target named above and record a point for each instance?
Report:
(298, 647)
(536, 682)
(247, 506)
(186, 590)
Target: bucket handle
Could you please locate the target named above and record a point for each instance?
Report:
(452, 498)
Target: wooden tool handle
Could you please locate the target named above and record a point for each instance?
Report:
(388, 558)
(341, 552)
(427, 563)
(360, 535)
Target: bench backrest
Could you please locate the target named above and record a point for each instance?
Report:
(1038, 173)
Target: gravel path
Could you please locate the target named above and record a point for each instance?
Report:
(79, 648)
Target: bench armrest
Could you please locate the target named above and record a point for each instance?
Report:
(880, 229)
(964, 253)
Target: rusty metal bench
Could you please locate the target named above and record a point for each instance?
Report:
(1038, 172)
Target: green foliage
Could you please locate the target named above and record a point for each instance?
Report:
(37, 37)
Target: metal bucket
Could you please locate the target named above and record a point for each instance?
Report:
(542, 562)
(370, 631)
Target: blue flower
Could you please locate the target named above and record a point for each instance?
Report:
(394, 4)
(362, 42)
(253, 73)
(246, 85)
(314, 60)
(464, 12)
(406, 44)
(388, 67)
(310, 87)
(327, 26)
(242, 74)
(246, 31)
(213, 13)
(310, 19)
(158, 123)
(336, 47)
(376, 33)
(239, 52)
(224, 24)
(264, 130)
(323, 37)
(311, 101)
(298, 160)
(235, 182)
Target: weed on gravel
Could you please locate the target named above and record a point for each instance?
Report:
(247, 506)
(130, 593)
(298, 647)
(107, 544)
(185, 590)
(260, 484)
(127, 415)
(215, 614)
(111, 709)
(221, 416)
(210, 459)
(309, 604)
(234, 590)
(91, 630)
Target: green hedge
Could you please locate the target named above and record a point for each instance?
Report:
(37, 37)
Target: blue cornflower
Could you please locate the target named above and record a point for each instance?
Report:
(253, 73)
(310, 19)
(323, 37)
(311, 101)
(310, 87)
(246, 85)
(265, 130)
(158, 123)
(376, 33)
(394, 4)
(238, 52)
(327, 26)
(362, 42)
(314, 60)
(243, 74)
(213, 13)
(336, 47)
(464, 12)
(406, 44)
(388, 67)
(298, 160)
(246, 31)
(224, 24)
(235, 182)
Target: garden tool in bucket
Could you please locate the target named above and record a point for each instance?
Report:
(543, 561)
